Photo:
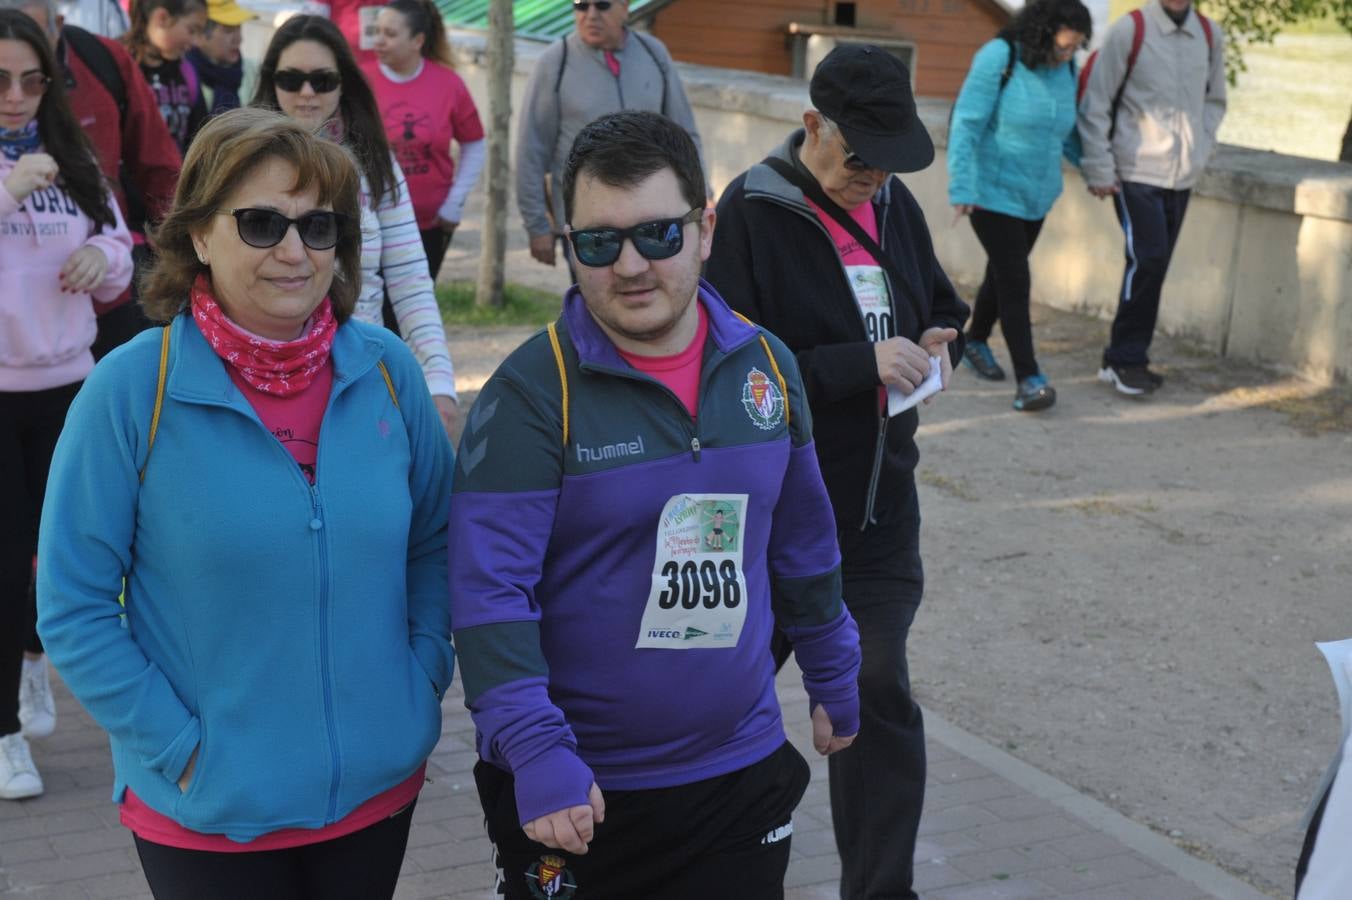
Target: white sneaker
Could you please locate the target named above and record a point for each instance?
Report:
(18, 776)
(37, 707)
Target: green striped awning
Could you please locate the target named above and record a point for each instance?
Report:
(544, 19)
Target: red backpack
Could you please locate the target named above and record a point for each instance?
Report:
(1137, 39)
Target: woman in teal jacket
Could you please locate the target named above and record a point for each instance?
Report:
(270, 482)
(1012, 122)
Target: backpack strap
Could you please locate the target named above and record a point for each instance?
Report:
(1210, 45)
(563, 376)
(657, 62)
(1137, 39)
(1008, 73)
(99, 60)
(563, 64)
(389, 382)
(159, 398)
(774, 365)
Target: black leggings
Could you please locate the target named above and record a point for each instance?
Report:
(363, 865)
(1005, 289)
(434, 241)
(30, 422)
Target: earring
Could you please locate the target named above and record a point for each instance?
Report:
(202, 259)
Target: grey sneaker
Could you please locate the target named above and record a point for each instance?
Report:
(18, 776)
(37, 707)
(1134, 381)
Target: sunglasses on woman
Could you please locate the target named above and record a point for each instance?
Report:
(323, 81)
(264, 228)
(582, 6)
(33, 84)
(658, 239)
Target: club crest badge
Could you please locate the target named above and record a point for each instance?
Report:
(548, 879)
(763, 400)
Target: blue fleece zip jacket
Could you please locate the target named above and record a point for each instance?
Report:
(1005, 147)
(298, 634)
(614, 593)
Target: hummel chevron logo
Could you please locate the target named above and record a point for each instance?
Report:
(479, 416)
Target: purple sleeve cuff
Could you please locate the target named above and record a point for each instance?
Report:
(829, 657)
(556, 779)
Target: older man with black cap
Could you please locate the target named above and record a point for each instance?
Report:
(823, 246)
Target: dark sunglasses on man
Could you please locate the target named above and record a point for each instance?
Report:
(322, 81)
(581, 6)
(33, 84)
(264, 228)
(658, 239)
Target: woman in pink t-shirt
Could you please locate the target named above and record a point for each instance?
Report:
(426, 106)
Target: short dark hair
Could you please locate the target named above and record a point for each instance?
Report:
(624, 148)
(1035, 26)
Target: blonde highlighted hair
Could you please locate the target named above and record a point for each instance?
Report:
(225, 153)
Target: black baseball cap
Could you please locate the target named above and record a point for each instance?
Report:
(866, 91)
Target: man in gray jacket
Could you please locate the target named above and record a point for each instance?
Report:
(1148, 122)
(601, 67)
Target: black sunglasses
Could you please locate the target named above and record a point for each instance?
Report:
(659, 239)
(264, 228)
(583, 5)
(33, 84)
(324, 81)
(852, 160)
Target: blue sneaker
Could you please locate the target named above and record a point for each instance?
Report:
(1034, 393)
(978, 355)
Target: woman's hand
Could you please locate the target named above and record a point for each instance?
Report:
(83, 271)
(186, 778)
(449, 411)
(33, 171)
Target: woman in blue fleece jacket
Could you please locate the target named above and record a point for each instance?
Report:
(1012, 123)
(272, 688)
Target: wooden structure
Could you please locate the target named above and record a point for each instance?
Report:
(936, 38)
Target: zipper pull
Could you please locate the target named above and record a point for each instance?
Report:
(694, 447)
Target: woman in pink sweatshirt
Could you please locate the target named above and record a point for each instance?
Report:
(62, 242)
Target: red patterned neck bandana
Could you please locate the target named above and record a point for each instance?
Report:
(280, 368)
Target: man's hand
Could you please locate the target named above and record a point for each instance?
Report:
(1105, 190)
(935, 341)
(570, 829)
(83, 271)
(823, 739)
(902, 363)
(447, 226)
(449, 411)
(33, 171)
(186, 778)
(542, 248)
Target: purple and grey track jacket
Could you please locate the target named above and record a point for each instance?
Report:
(571, 560)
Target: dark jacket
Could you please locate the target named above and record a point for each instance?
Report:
(774, 262)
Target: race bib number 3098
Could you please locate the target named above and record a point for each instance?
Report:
(698, 595)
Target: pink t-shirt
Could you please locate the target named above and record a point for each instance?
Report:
(293, 420)
(149, 825)
(868, 281)
(680, 371)
(422, 117)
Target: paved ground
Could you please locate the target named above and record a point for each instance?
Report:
(993, 828)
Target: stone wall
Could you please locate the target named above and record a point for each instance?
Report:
(1263, 269)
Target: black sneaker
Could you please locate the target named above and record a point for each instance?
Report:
(1155, 378)
(978, 355)
(1133, 381)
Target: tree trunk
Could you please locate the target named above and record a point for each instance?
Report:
(500, 56)
(1346, 154)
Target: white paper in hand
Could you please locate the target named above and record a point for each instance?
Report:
(897, 402)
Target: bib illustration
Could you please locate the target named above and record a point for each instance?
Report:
(698, 595)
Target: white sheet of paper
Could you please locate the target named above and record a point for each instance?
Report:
(897, 402)
(1330, 868)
